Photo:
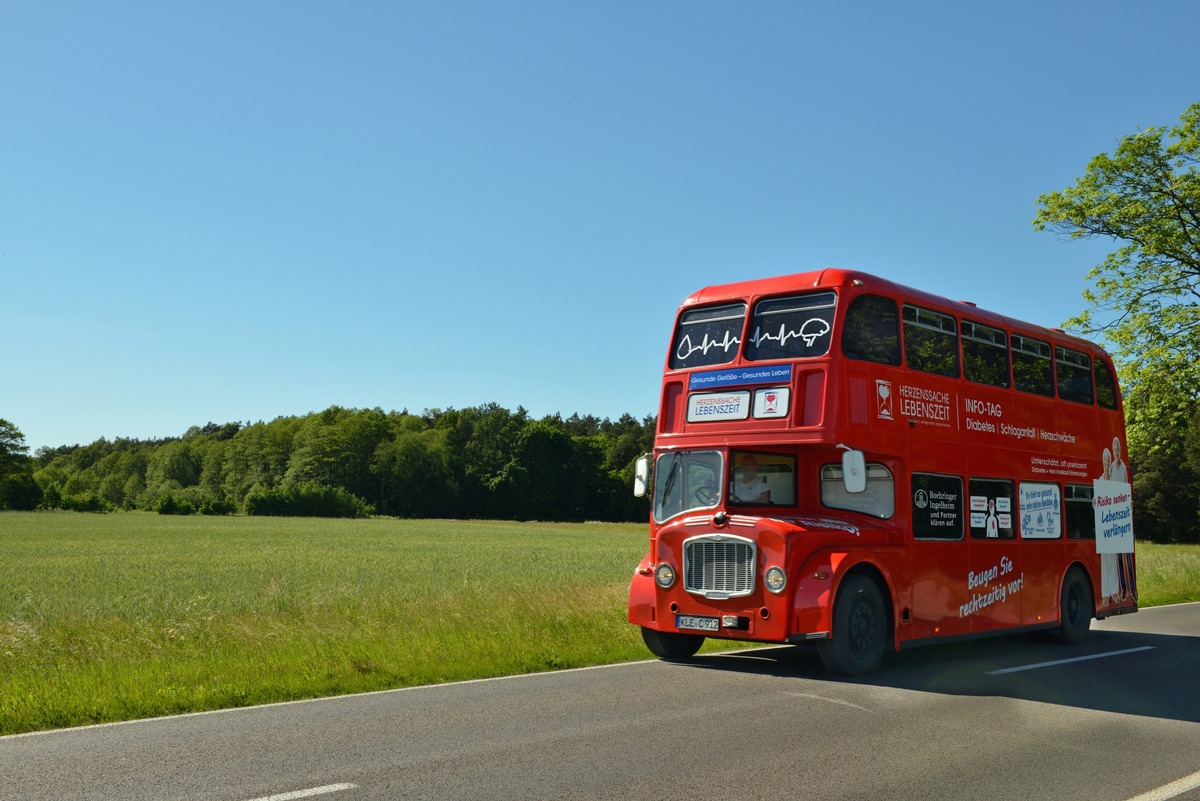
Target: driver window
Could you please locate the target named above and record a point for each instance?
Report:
(686, 480)
(702, 484)
(759, 479)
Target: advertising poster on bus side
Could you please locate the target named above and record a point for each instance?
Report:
(1114, 516)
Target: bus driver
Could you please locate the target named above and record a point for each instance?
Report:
(747, 485)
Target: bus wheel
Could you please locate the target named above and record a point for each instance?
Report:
(859, 633)
(667, 645)
(1075, 608)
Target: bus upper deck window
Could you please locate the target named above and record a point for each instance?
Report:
(871, 331)
(1106, 386)
(1033, 370)
(1073, 373)
(708, 335)
(985, 354)
(930, 341)
(796, 327)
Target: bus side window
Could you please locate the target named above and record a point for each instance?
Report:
(877, 500)
(937, 507)
(871, 332)
(985, 354)
(1081, 517)
(1040, 511)
(1033, 371)
(1073, 371)
(930, 341)
(991, 509)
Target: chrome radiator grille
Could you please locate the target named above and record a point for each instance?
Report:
(718, 567)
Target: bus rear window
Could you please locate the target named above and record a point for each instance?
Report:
(1081, 514)
(707, 336)
(791, 328)
(1106, 386)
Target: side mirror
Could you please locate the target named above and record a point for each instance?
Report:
(641, 477)
(854, 470)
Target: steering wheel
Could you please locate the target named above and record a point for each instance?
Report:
(706, 494)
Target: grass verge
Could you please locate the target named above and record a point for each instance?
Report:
(121, 616)
(112, 617)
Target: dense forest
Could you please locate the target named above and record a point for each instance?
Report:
(479, 462)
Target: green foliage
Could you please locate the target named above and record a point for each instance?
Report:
(1146, 295)
(1167, 574)
(18, 490)
(1145, 301)
(12, 447)
(217, 507)
(84, 502)
(170, 505)
(306, 499)
(115, 617)
(479, 462)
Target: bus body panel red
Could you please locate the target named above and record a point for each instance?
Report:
(822, 573)
(641, 595)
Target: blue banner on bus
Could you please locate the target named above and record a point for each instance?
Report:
(738, 376)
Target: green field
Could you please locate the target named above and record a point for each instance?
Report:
(113, 617)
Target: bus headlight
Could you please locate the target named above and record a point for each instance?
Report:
(775, 579)
(664, 575)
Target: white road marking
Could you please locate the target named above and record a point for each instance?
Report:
(1171, 790)
(329, 788)
(1068, 661)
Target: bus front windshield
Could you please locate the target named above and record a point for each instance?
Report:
(687, 480)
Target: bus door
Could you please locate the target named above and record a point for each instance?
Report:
(939, 556)
(993, 596)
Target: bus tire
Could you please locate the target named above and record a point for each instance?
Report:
(1074, 608)
(668, 645)
(859, 636)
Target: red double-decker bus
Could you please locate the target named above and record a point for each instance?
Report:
(847, 462)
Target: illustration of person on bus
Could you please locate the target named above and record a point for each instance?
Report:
(1118, 471)
(1117, 582)
(1108, 561)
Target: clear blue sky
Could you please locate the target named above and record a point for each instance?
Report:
(233, 211)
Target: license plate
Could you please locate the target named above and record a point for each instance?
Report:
(697, 623)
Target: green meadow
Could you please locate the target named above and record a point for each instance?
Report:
(120, 616)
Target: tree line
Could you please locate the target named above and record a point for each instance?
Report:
(479, 462)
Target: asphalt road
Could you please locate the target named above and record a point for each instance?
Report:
(942, 722)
